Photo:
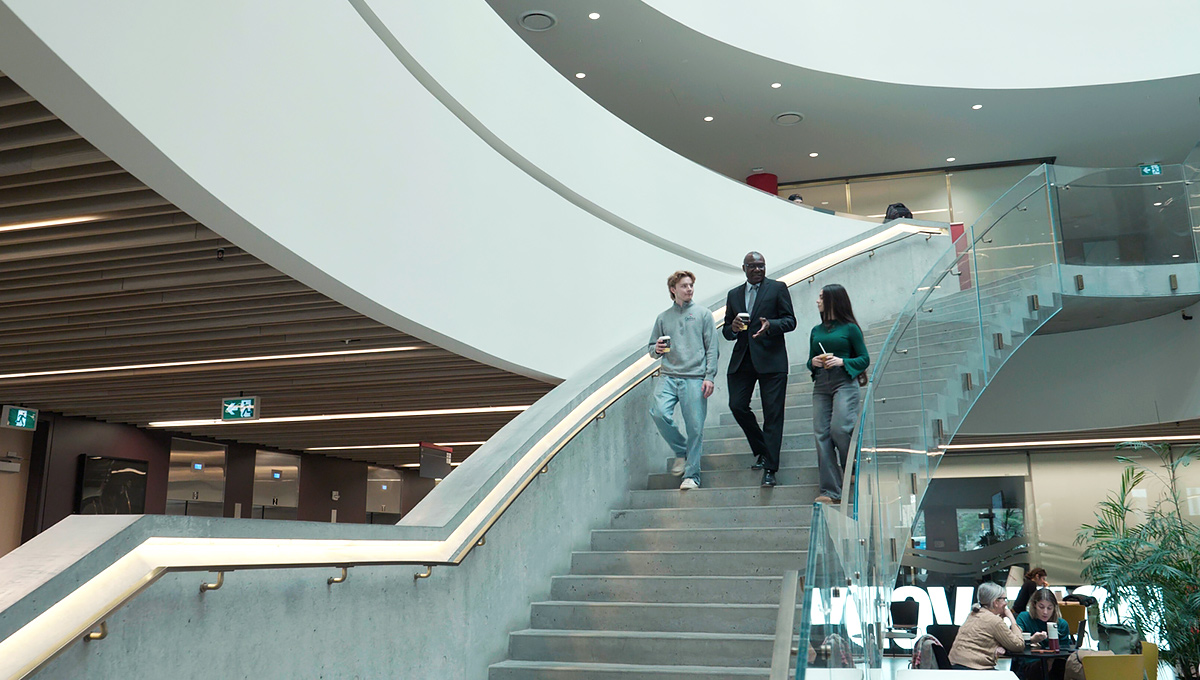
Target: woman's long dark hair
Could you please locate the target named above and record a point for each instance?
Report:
(836, 303)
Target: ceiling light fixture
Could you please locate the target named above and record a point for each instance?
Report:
(367, 447)
(1158, 204)
(594, 15)
(1069, 442)
(537, 21)
(344, 416)
(49, 223)
(757, 169)
(708, 119)
(207, 362)
(776, 85)
(951, 159)
(813, 154)
(977, 107)
(581, 75)
(1175, 255)
(788, 118)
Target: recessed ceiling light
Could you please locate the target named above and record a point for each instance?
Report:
(708, 119)
(594, 15)
(776, 85)
(1158, 204)
(48, 223)
(813, 154)
(207, 362)
(1175, 255)
(388, 446)
(343, 416)
(581, 75)
(951, 159)
(977, 107)
(824, 202)
(789, 118)
(537, 21)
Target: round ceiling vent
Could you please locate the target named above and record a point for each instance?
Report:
(789, 118)
(537, 21)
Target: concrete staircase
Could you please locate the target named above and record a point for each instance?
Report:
(686, 584)
(680, 584)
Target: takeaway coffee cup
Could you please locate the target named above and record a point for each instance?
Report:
(744, 317)
(1053, 642)
(666, 341)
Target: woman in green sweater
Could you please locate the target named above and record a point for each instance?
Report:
(836, 356)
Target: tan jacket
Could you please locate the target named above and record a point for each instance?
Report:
(978, 638)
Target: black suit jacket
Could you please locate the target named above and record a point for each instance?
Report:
(767, 352)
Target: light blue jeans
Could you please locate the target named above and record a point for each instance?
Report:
(693, 407)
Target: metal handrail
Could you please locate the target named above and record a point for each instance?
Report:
(197, 554)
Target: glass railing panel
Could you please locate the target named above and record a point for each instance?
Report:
(1122, 217)
(831, 628)
(1016, 263)
(1191, 188)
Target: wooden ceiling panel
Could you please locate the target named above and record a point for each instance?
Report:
(141, 282)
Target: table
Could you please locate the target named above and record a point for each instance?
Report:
(1042, 655)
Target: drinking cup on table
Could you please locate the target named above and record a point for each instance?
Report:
(1053, 642)
(1026, 636)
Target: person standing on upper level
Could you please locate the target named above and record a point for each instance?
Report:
(685, 337)
(837, 355)
(757, 314)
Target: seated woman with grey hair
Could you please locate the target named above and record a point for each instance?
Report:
(989, 628)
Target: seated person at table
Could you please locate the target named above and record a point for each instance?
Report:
(1042, 613)
(989, 626)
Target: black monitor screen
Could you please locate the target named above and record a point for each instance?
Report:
(111, 486)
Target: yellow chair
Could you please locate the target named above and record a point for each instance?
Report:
(1072, 613)
(1150, 652)
(1116, 667)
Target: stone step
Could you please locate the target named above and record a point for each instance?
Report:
(724, 479)
(638, 647)
(654, 588)
(694, 518)
(688, 563)
(555, 670)
(714, 497)
(772, 538)
(737, 443)
(687, 617)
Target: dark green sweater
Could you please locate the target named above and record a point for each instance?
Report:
(843, 340)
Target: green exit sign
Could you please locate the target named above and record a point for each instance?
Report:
(239, 408)
(1152, 169)
(19, 418)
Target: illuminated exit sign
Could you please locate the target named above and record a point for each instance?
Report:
(239, 408)
(1152, 169)
(19, 418)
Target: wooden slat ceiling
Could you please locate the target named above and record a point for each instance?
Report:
(144, 284)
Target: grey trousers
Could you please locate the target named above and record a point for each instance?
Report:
(836, 402)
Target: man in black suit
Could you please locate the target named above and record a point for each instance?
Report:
(759, 355)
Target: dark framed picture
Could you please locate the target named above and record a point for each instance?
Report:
(111, 486)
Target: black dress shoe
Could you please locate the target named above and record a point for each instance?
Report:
(768, 478)
(758, 464)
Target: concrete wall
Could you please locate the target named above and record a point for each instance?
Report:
(380, 622)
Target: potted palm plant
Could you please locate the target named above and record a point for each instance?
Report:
(1149, 559)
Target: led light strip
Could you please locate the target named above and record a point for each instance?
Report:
(49, 223)
(207, 362)
(1070, 442)
(344, 416)
(368, 447)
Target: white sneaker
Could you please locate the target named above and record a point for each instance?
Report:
(689, 483)
(677, 466)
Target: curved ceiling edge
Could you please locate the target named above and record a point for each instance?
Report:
(1044, 45)
(516, 158)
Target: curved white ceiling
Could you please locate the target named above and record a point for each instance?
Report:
(414, 161)
(1023, 44)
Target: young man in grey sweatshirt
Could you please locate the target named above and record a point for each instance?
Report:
(689, 366)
